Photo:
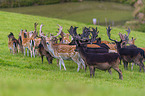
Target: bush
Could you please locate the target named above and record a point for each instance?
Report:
(21, 3)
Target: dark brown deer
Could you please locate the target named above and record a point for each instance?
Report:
(128, 55)
(45, 53)
(102, 61)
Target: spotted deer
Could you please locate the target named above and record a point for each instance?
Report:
(63, 52)
(28, 43)
(12, 43)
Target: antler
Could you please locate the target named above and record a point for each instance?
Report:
(121, 36)
(60, 30)
(94, 34)
(86, 33)
(35, 25)
(128, 31)
(72, 31)
(108, 33)
(75, 31)
(40, 28)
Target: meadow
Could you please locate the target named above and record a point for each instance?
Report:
(119, 13)
(26, 76)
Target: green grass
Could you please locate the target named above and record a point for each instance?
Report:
(81, 11)
(25, 76)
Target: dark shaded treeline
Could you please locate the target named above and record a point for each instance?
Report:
(22, 3)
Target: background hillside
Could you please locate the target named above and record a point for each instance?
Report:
(105, 12)
(136, 17)
(25, 76)
(22, 3)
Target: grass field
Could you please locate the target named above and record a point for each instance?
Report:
(81, 11)
(25, 76)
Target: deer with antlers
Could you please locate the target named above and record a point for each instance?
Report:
(63, 51)
(102, 61)
(128, 55)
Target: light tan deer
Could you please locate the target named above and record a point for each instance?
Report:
(12, 43)
(27, 43)
(63, 52)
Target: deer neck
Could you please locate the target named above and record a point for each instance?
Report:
(118, 45)
(27, 34)
(22, 36)
(82, 52)
(52, 49)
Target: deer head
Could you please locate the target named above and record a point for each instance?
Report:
(131, 42)
(118, 44)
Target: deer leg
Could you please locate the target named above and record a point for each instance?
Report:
(94, 72)
(76, 60)
(110, 72)
(125, 65)
(141, 66)
(10, 50)
(49, 61)
(27, 52)
(79, 65)
(13, 48)
(42, 58)
(83, 63)
(22, 48)
(60, 63)
(85, 68)
(18, 48)
(33, 51)
(57, 62)
(91, 70)
(24, 51)
(63, 64)
(119, 72)
(132, 66)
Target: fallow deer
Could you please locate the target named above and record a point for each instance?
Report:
(102, 61)
(45, 53)
(28, 43)
(12, 43)
(129, 55)
(63, 52)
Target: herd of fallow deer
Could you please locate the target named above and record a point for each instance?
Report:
(85, 49)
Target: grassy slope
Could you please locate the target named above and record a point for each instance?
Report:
(20, 75)
(74, 11)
